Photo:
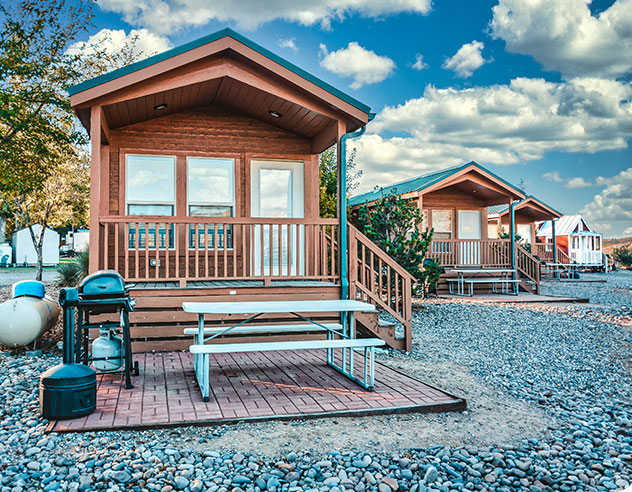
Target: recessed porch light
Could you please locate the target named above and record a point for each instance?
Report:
(158, 107)
(474, 191)
(274, 113)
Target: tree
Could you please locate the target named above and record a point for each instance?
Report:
(623, 256)
(62, 200)
(328, 167)
(41, 142)
(395, 225)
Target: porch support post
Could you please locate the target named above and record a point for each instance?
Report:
(554, 238)
(342, 203)
(95, 187)
(512, 226)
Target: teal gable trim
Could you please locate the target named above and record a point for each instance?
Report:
(421, 183)
(178, 50)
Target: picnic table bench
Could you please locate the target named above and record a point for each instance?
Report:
(572, 270)
(471, 276)
(339, 335)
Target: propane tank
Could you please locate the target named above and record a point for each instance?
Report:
(107, 345)
(28, 315)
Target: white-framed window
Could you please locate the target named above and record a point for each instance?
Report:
(442, 224)
(211, 193)
(150, 189)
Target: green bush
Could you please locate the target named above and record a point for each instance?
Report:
(623, 256)
(393, 223)
(72, 272)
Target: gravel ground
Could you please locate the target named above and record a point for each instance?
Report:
(8, 276)
(548, 389)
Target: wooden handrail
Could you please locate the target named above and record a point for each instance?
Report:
(493, 253)
(378, 279)
(113, 219)
(528, 265)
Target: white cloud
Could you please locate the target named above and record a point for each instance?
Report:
(553, 176)
(419, 64)
(499, 124)
(564, 36)
(364, 66)
(577, 182)
(114, 40)
(288, 43)
(628, 231)
(466, 60)
(613, 205)
(167, 16)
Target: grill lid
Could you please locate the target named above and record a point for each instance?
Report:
(104, 283)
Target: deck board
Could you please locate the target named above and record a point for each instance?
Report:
(247, 387)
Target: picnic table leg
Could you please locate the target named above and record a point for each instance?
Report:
(351, 335)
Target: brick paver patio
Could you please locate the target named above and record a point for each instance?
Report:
(250, 386)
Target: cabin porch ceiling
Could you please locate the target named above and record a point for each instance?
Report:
(486, 195)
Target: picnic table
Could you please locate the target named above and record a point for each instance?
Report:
(339, 335)
(572, 270)
(505, 277)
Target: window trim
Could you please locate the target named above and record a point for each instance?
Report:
(232, 204)
(212, 204)
(175, 184)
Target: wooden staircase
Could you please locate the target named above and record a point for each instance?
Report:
(376, 278)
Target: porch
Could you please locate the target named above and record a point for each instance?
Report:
(250, 387)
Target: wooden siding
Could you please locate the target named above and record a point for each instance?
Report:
(455, 200)
(213, 131)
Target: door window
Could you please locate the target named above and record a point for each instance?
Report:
(470, 224)
(442, 224)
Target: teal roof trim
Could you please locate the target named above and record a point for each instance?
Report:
(420, 183)
(178, 50)
(501, 209)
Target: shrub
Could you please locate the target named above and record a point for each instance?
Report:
(393, 223)
(623, 256)
(72, 272)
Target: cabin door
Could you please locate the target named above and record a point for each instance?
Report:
(469, 223)
(277, 193)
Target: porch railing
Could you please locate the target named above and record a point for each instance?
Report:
(376, 278)
(151, 249)
(492, 253)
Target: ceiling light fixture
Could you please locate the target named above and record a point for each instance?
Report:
(158, 107)
(274, 113)
(474, 191)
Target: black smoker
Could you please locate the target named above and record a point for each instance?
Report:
(69, 390)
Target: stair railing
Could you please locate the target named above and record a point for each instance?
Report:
(376, 278)
(528, 265)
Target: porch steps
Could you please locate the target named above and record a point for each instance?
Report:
(370, 324)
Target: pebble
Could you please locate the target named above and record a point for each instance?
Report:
(567, 360)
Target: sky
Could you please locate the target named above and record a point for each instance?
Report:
(538, 91)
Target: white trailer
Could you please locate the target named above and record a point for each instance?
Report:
(24, 252)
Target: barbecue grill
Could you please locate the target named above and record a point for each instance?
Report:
(104, 293)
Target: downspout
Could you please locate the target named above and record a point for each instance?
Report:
(512, 219)
(342, 212)
(554, 238)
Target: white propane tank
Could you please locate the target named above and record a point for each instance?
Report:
(106, 345)
(25, 317)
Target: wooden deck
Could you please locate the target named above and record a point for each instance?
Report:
(250, 387)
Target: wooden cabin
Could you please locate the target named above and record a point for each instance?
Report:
(205, 184)
(454, 202)
(528, 214)
(576, 241)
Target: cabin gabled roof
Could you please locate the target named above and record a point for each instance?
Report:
(425, 181)
(188, 48)
(223, 69)
(565, 226)
(503, 209)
